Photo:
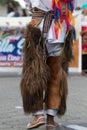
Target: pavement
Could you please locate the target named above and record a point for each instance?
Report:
(12, 116)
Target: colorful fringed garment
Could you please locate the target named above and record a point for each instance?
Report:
(59, 17)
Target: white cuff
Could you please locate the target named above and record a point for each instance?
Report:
(52, 112)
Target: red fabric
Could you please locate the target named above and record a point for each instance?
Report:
(84, 47)
(84, 28)
(64, 1)
(84, 44)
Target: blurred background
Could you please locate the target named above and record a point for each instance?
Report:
(20, 4)
(12, 35)
(11, 44)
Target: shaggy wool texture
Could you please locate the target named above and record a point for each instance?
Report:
(67, 56)
(67, 53)
(63, 91)
(57, 89)
(35, 71)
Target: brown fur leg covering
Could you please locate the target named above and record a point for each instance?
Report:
(57, 89)
(67, 54)
(66, 57)
(63, 91)
(35, 72)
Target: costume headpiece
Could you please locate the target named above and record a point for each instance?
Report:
(57, 7)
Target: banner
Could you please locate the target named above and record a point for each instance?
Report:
(11, 50)
(12, 42)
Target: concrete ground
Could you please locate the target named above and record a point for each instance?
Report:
(12, 116)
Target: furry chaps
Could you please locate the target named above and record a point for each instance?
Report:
(35, 71)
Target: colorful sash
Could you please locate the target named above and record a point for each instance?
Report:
(59, 17)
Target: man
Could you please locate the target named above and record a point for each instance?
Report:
(54, 18)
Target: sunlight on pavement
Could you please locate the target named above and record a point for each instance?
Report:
(19, 107)
(77, 127)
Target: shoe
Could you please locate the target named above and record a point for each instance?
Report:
(40, 121)
(52, 126)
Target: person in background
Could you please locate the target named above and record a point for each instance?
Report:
(16, 12)
(12, 10)
(55, 20)
(84, 37)
(9, 7)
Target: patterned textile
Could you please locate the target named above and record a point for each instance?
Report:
(37, 13)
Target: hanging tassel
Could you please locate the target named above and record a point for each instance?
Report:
(57, 7)
(56, 30)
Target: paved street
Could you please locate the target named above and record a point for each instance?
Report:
(11, 113)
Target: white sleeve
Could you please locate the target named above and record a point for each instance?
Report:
(42, 4)
(34, 3)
